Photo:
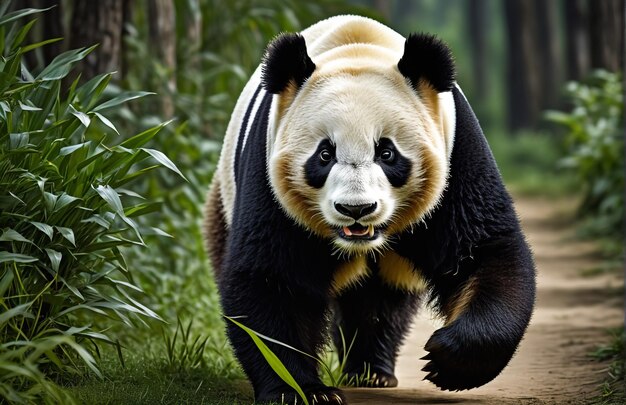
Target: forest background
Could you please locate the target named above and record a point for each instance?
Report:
(106, 153)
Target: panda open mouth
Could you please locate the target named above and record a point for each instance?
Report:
(357, 231)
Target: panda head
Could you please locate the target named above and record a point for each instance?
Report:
(357, 151)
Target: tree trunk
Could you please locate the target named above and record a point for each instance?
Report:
(51, 26)
(477, 13)
(98, 22)
(162, 29)
(384, 8)
(576, 39)
(606, 34)
(127, 20)
(548, 68)
(523, 85)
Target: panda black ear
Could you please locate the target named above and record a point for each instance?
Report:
(286, 60)
(427, 58)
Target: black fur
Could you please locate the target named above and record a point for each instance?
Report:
(427, 58)
(315, 170)
(474, 232)
(377, 317)
(286, 60)
(277, 276)
(398, 170)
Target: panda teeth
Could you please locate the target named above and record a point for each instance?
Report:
(371, 231)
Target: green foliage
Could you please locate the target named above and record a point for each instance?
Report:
(527, 162)
(595, 127)
(66, 219)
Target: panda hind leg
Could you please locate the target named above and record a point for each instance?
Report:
(372, 320)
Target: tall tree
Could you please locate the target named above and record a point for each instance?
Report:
(477, 13)
(576, 38)
(98, 22)
(523, 83)
(162, 30)
(606, 34)
(548, 67)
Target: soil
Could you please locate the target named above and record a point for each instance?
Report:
(572, 315)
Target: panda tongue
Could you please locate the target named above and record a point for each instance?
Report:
(356, 232)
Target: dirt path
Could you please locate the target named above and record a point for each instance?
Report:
(552, 365)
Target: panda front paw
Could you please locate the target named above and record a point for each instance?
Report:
(317, 394)
(458, 362)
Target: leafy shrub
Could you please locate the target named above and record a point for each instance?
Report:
(66, 219)
(595, 127)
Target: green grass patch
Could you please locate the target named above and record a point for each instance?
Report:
(529, 163)
(181, 368)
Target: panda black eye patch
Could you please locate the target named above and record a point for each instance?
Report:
(396, 167)
(317, 167)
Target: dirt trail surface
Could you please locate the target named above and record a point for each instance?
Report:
(572, 314)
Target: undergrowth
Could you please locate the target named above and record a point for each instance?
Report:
(67, 220)
(613, 389)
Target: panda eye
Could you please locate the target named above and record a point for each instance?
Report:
(387, 155)
(325, 155)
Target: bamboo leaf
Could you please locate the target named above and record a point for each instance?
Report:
(20, 13)
(62, 64)
(63, 200)
(11, 235)
(20, 310)
(45, 228)
(106, 122)
(82, 117)
(109, 195)
(272, 360)
(164, 160)
(16, 257)
(26, 107)
(72, 148)
(55, 259)
(67, 233)
(122, 98)
(30, 47)
(141, 139)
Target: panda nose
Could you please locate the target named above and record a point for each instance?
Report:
(355, 211)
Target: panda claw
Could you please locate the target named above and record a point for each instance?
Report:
(431, 375)
(428, 356)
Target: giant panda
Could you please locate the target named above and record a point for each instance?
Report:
(354, 184)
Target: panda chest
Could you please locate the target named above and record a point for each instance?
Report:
(392, 269)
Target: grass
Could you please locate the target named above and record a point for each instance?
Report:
(613, 389)
(179, 368)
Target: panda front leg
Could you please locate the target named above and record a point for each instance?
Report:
(375, 319)
(286, 313)
(486, 315)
